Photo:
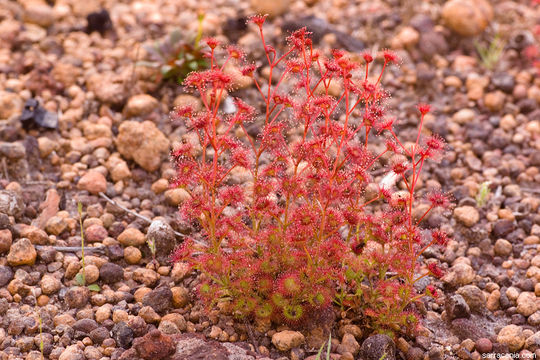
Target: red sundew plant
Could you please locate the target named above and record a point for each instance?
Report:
(303, 232)
(532, 52)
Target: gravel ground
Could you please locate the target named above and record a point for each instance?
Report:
(81, 121)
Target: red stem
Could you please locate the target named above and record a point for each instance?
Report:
(382, 72)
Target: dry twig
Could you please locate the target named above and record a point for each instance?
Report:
(72, 249)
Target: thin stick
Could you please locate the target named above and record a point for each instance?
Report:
(38, 182)
(144, 217)
(127, 210)
(73, 249)
(534, 191)
(79, 208)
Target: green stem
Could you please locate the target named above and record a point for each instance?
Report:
(79, 207)
(199, 31)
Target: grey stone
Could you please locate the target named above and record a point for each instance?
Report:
(122, 334)
(72, 352)
(502, 228)
(474, 297)
(6, 275)
(159, 299)
(85, 325)
(99, 334)
(378, 346)
(162, 234)
(465, 328)
(111, 273)
(11, 203)
(77, 297)
(14, 150)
